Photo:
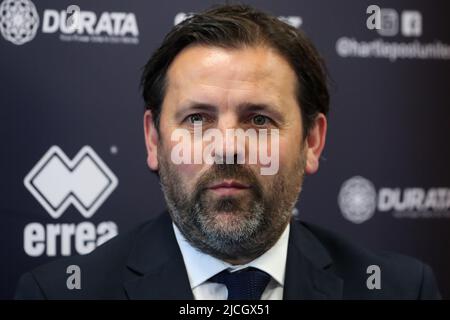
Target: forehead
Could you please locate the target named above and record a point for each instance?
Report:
(214, 72)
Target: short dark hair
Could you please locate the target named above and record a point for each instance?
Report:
(238, 26)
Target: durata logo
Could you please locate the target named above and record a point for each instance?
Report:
(56, 181)
(359, 200)
(110, 27)
(19, 21)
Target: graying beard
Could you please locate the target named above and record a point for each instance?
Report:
(233, 246)
(230, 246)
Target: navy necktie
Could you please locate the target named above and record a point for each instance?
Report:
(246, 284)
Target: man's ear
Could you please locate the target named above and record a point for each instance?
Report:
(151, 141)
(314, 143)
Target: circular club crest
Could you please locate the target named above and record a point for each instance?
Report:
(19, 21)
(357, 199)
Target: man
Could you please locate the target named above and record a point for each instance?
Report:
(229, 232)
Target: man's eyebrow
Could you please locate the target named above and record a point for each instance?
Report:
(241, 108)
(255, 107)
(194, 106)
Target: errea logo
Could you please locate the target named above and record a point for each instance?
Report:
(57, 181)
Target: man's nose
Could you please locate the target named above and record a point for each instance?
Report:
(232, 149)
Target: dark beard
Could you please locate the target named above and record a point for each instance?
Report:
(236, 227)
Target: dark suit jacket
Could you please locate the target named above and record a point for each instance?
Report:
(146, 263)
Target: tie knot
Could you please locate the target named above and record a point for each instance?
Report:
(245, 284)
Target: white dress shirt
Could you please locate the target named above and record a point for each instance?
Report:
(201, 266)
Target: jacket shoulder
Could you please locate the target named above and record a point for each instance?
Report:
(400, 276)
(102, 272)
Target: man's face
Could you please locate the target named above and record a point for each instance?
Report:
(231, 211)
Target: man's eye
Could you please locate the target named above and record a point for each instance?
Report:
(260, 120)
(197, 117)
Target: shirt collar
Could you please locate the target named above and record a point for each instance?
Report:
(201, 266)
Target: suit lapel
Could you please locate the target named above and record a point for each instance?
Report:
(307, 268)
(156, 268)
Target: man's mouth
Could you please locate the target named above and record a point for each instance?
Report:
(228, 187)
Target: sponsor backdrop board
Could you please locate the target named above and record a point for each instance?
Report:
(73, 170)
